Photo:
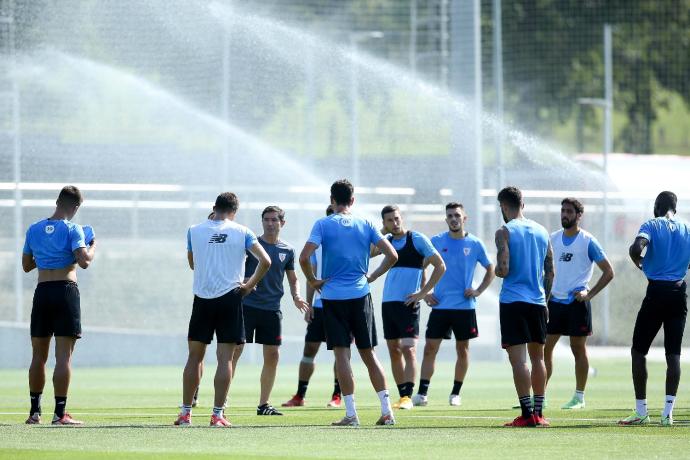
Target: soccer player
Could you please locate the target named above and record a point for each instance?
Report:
(453, 300)
(570, 311)
(405, 286)
(316, 333)
(345, 240)
(525, 262)
(55, 246)
(665, 264)
(216, 253)
(262, 315)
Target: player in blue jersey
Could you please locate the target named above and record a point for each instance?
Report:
(316, 333)
(453, 300)
(216, 251)
(345, 240)
(525, 262)
(665, 264)
(262, 315)
(405, 286)
(570, 311)
(55, 246)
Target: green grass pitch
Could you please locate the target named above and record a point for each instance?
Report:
(129, 414)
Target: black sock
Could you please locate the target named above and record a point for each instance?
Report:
(526, 406)
(336, 387)
(60, 404)
(35, 403)
(302, 388)
(409, 389)
(401, 389)
(456, 387)
(538, 404)
(423, 386)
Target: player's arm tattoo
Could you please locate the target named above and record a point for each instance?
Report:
(549, 272)
(502, 252)
(636, 249)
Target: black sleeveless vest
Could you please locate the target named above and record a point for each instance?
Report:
(408, 255)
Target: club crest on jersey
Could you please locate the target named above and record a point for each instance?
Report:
(282, 256)
(466, 251)
(218, 238)
(50, 229)
(346, 222)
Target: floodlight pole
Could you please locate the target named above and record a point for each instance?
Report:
(7, 21)
(355, 39)
(498, 86)
(225, 108)
(607, 105)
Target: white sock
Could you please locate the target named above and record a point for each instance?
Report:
(385, 399)
(641, 407)
(580, 395)
(350, 409)
(186, 409)
(668, 406)
(217, 411)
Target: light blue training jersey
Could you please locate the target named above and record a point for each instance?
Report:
(345, 240)
(403, 281)
(668, 251)
(53, 242)
(528, 243)
(461, 257)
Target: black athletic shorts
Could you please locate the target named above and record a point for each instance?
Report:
(350, 319)
(463, 324)
(572, 319)
(316, 330)
(522, 322)
(222, 315)
(263, 326)
(400, 321)
(56, 310)
(665, 304)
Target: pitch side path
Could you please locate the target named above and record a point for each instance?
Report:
(129, 414)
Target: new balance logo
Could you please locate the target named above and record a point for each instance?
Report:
(218, 238)
(566, 257)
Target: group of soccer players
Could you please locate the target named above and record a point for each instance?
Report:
(238, 286)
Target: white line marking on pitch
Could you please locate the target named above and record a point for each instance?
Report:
(488, 417)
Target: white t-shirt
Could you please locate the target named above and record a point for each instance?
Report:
(573, 260)
(218, 248)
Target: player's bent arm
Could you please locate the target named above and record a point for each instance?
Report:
(390, 258)
(373, 251)
(190, 259)
(84, 256)
(264, 264)
(502, 252)
(607, 275)
(489, 276)
(435, 261)
(636, 249)
(549, 271)
(305, 262)
(28, 262)
(310, 290)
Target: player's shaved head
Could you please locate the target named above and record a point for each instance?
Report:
(666, 201)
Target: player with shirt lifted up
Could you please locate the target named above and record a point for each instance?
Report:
(56, 246)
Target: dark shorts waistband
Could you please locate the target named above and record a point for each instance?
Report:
(662, 284)
(57, 283)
